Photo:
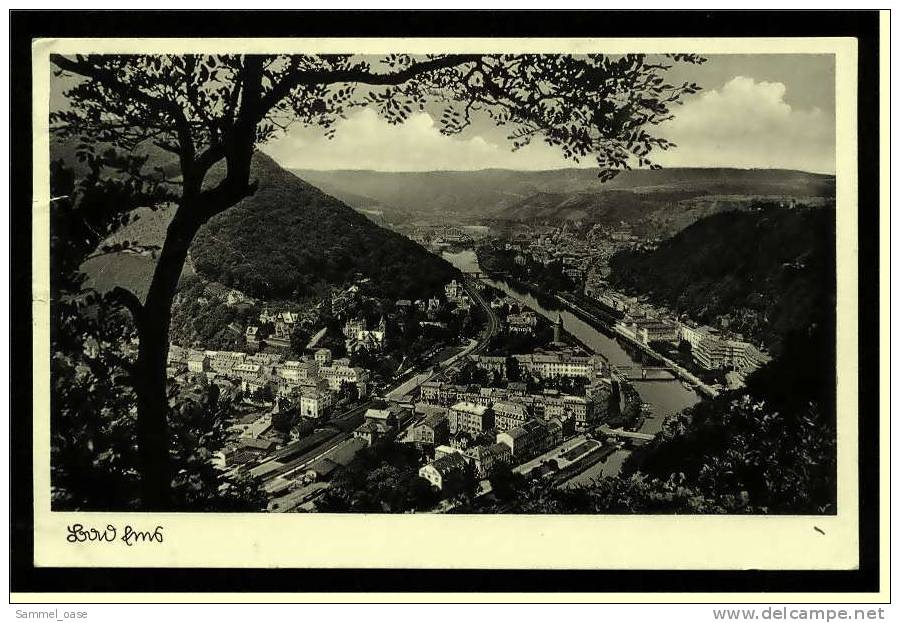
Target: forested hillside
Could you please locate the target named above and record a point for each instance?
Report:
(278, 243)
(768, 448)
(763, 272)
(290, 236)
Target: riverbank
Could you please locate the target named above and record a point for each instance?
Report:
(664, 397)
(679, 371)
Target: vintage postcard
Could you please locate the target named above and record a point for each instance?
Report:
(447, 303)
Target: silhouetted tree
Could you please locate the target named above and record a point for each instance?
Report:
(215, 110)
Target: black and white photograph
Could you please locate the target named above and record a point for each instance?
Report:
(443, 283)
(451, 306)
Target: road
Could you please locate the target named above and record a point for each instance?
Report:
(679, 371)
(493, 321)
(353, 417)
(473, 348)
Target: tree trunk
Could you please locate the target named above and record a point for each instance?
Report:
(196, 207)
(150, 373)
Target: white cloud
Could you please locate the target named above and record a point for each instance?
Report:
(748, 124)
(744, 124)
(366, 141)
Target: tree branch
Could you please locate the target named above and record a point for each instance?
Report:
(320, 77)
(130, 301)
(165, 107)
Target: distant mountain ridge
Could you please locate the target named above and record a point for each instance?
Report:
(572, 194)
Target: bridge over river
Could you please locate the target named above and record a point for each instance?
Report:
(628, 434)
(638, 372)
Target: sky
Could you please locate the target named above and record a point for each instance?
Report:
(754, 111)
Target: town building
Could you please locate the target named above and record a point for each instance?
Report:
(315, 402)
(454, 291)
(509, 415)
(323, 357)
(378, 424)
(176, 354)
(251, 335)
(558, 430)
(297, 371)
(556, 365)
(486, 459)
(525, 441)
(446, 473)
(198, 363)
(433, 430)
(358, 336)
(284, 325)
(223, 362)
(470, 418)
(748, 357)
(714, 353)
(258, 446)
(247, 371)
(382, 417)
(646, 330)
(617, 301)
(524, 323)
(694, 335)
(445, 450)
(430, 391)
(577, 408)
(340, 372)
(492, 364)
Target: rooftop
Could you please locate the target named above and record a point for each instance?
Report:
(434, 419)
(509, 407)
(344, 453)
(449, 463)
(378, 414)
(469, 407)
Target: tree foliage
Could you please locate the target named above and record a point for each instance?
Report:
(382, 478)
(207, 110)
(94, 456)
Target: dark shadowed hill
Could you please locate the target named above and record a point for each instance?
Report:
(766, 272)
(566, 193)
(290, 236)
(285, 239)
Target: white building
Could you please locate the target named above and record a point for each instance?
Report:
(470, 418)
(444, 472)
(315, 402)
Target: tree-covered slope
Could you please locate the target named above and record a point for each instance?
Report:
(770, 447)
(289, 236)
(763, 272)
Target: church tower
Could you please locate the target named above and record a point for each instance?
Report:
(558, 328)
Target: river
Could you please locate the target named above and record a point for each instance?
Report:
(664, 397)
